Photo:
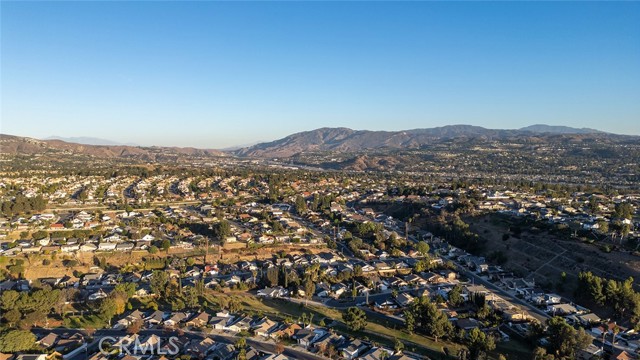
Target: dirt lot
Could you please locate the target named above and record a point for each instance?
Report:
(235, 255)
(543, 256)
(35, 269)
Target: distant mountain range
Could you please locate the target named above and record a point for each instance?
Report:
(88, 140)
(18, 145)
(541, 128)
(348, 140)
(320, 140)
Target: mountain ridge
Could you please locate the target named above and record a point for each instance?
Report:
(88, 140)
(325, 139)
(348, 140)
(559, 129)
(20, 145)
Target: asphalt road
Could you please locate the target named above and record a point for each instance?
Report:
(538, 314)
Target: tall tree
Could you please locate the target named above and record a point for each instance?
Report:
(107, 309)
(565, 341)
(159, 282)
(17, 340)
(355, 318)
(428, 319)
(301, 205)
(423, 248)
(479, 344)
(455, 296)
(272, 276)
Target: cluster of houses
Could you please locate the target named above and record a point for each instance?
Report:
(110, 227)
(199, 337)
(391, 278)
(574, 208)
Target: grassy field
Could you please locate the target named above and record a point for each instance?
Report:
(514, 350)
(377, 332)
(374, 331)
(85, 322)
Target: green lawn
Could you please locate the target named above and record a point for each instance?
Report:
(515, 349)
(85, 322)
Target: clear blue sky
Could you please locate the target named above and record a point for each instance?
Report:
(209, 74)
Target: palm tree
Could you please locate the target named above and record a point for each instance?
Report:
(614, 333)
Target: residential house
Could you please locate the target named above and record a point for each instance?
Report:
(243, 323)
(222, 351)
(562, 309)
(219, 323)
(277, 357)
(376, 353)
(31, 357)
(386, 303)
(307, 336)
(433, 278)
(155, 318)
(591, 352)
(351, 349)
(404, 299)
(88, 247)
(106, 246)
(589, 319)
(100, 294)
(198, 320)
(125, 246)
(285, 331)
(201, 347)
(329, 339)
(133, 317)
(466, 324)
(148, 342)
(48, 341)
(264, 327)
(175, 319)
(414, 279)
(275, 292)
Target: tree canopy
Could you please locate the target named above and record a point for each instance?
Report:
(355, 318)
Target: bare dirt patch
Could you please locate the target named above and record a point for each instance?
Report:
(58, 265)
(544, 257)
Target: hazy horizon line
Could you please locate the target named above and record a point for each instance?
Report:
(115, 142)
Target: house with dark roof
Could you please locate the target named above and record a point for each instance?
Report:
(222, 351)
(351, 349)
(329, 339)
(48, 341)
(307, 336)
(155, 318)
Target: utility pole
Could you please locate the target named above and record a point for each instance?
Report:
(206, 249)
(406, 230)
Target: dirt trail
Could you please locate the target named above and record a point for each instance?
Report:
(546, 256)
